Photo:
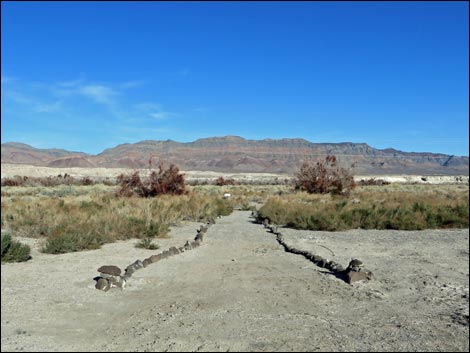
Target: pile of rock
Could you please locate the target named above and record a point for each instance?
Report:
(110, 276)
(356, 272)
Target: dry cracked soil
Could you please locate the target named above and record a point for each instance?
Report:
(240, 291)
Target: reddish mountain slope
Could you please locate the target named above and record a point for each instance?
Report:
(235, 154)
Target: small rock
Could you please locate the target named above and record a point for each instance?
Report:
(265, 222)
(137, 264)
(339, 268)
(156, 258)
(134, 267)
(147, 262)
(331, 265)
(122, 282)
(310, 256)
(187, 245)
(353, 276)
(110, 270)
(102, 284)
(173, 250)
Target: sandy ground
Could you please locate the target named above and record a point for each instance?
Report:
(239, 291)
(10, 170)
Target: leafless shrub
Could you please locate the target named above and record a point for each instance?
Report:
(164, 181)
(48, 181)
(324, 176)
(372, 181)
(221, 181)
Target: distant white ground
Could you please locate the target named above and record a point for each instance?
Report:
(10, 170)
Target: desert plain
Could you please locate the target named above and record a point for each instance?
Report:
(240, 291)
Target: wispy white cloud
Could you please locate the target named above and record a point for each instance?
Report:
(16, 96)
(71, 98)
(148, 107)
(99, 93)
(48, 107)
(154, 111)
(36, 104)
(163, 115)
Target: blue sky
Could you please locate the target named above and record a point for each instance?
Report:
(86, 76)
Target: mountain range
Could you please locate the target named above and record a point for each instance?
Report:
(236, 154)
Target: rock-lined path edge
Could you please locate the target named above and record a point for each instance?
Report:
(110, 275)
(354, 272)
(241, 291)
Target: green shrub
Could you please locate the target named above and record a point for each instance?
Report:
(147, 243)
(64, 243)
(223, 207)
(6, 242)
(14, 251)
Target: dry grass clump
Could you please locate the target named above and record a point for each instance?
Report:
(390, 208)
(86, 222)
(8, 192)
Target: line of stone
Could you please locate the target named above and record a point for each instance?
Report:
(110, 275)
(354, 272)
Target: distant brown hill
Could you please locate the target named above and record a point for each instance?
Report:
(236, 154)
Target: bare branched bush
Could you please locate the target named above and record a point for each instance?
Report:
(164, 181)
(49, 181)
(372, 181)
(130, 185)
(324, 176)
(221, 181)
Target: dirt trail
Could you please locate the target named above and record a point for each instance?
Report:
(239, 291)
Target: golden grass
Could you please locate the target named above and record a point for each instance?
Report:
(408, 207)
(73, 218)
(89, 220)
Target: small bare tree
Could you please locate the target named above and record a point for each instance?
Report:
(323, 176)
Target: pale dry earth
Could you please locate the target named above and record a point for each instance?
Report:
(239, 291)
(11, 170)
